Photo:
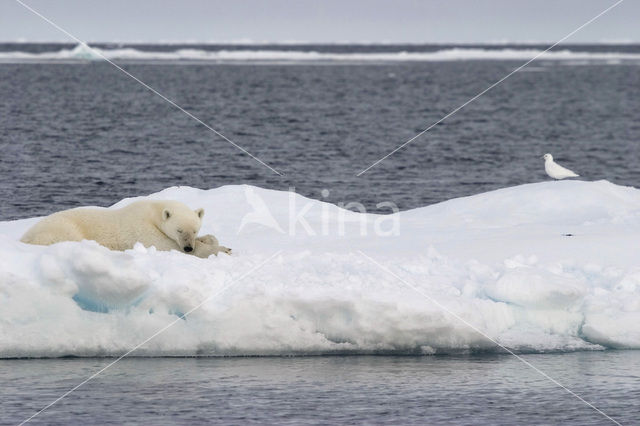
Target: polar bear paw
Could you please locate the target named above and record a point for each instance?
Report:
(208, 245)
(208, 239)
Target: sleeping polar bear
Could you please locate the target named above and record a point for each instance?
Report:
(167, 225)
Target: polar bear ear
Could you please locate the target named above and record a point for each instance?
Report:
(200, 212)
(166, 214)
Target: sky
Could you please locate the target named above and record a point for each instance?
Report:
(330, 21)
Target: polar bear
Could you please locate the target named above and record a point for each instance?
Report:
(167, 225)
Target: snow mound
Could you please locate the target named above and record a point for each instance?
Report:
(82, 52)
(550, 266)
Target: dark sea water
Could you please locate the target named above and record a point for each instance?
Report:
(83, 133)
(487, 390)
(76, 133)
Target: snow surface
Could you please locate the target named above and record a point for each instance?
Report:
(500, 260)
(84, 53)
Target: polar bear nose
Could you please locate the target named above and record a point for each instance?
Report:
(188, 249)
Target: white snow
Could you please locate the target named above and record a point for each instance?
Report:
(83, 53)
(499, 260)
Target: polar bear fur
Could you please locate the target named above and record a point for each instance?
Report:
(167, 225)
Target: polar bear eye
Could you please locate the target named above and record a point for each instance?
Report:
(179, 231)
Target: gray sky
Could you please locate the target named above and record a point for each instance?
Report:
(427, 21)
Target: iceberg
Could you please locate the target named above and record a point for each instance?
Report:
(549, 266)
(84, 52)
(283, 55)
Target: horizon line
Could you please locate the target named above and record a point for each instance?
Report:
(248, 42)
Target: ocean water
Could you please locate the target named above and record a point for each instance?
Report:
(76, 132)
(460, 390)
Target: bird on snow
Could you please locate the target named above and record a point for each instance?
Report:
(555, 170)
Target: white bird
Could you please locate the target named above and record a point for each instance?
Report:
(555, 170)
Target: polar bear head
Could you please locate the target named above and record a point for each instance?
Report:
(181, 224)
